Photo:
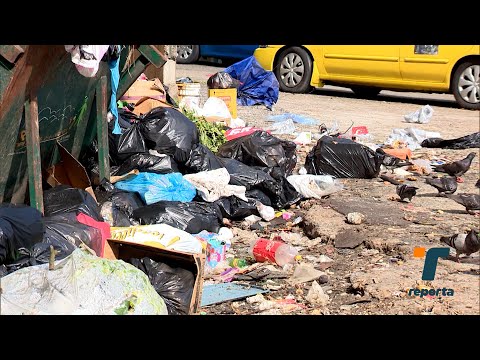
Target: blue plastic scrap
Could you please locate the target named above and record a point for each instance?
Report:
(300, 119)
(115, 78)
(157, 187)
(218, 293)
(258, 86)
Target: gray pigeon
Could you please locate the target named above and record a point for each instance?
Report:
(406, 191)
(456, 168)
(470, 201)
(444, 185)
(463, 243)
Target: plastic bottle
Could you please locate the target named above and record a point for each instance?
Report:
(239, 263)
(274, 251)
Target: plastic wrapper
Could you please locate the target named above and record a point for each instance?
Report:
(315, 186)
(20, 227)
(257, 86)
(169, 132)
(214, 184)
(202, 159)
(261, 149)
(161, 236)
(157, 187)
(421, 116)
(221, 80)
(174, 285)
(464, 142)
(343, 158)
(283, 127)
(63, 199)
(191, 217)
(80, 284)
(147, 163)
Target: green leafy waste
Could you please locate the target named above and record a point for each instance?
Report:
(211, 135)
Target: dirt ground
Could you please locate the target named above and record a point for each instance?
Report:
(373, 265)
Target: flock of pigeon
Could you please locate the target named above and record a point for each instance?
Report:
(463, 243)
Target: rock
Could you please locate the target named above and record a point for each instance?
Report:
(256, 299)
(323, 279)
(350, 238)
(355, 218)
(316, 296)
(368, 252)
(322, 222)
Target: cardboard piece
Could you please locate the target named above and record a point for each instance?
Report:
(229, 96)
(69, 171)
(124, 250)
(146, 95)
(145, 104)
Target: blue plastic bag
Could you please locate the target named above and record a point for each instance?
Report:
(157, 187)
(258, 86)
(299, 119)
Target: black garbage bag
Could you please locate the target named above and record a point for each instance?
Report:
(124, 203)
(285, 194)
(192, 217)
(237, 209)
(343, 158)
(129, 143)
(63, 228)
(21, 226)
(64, 233)
(244, 175)
(147, 163)
(174, 285)
(202, 159)
(261, 149)
(276, 187)
(169, 132)
(464, 142)
(63, 199)
(222, 80)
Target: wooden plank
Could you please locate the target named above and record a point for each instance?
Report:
(102, 129)
(32, 139)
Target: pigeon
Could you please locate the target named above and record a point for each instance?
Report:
(463, 243)
(456, 168)
(444, 185)
(470, 201)
(391, 162)
(406, 191)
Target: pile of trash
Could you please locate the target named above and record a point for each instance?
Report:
(141, 240)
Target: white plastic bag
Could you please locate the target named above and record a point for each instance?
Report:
(80, 284)
(192, 104)
(214, 184)
(421, 116)
(158, 235)
(216, 107)
(412, 137)
(315, 186)
(87, 57)
(304, 138)
(266, 212)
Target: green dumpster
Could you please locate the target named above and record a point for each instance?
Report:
(41, 79)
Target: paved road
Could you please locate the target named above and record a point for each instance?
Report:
(331, 103)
